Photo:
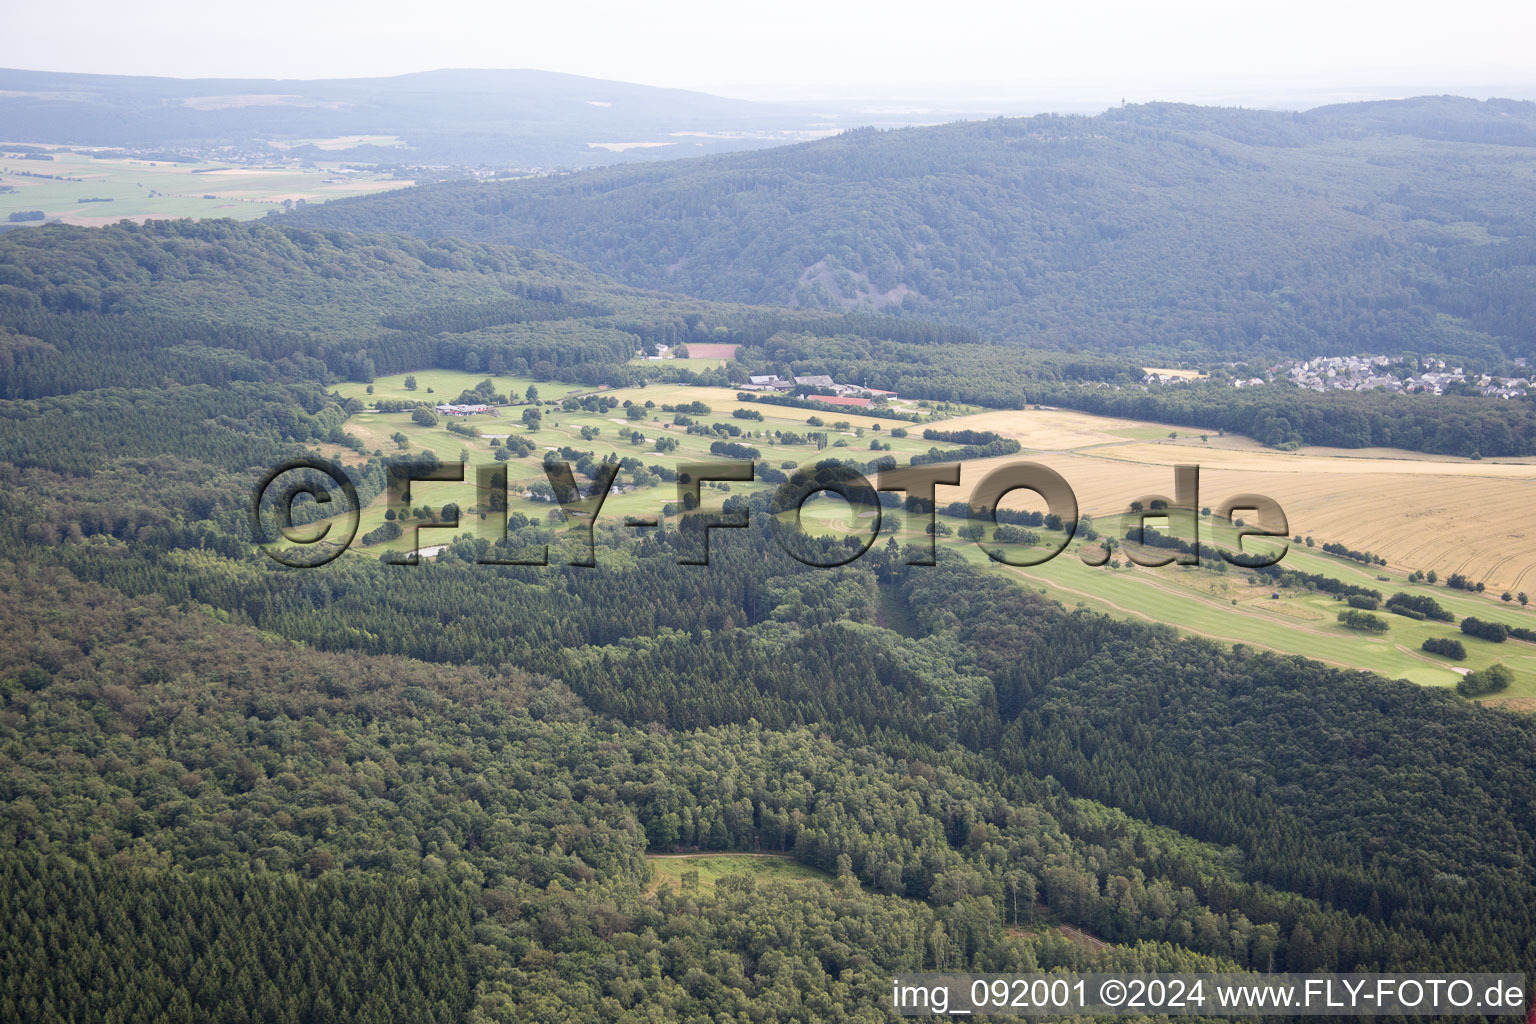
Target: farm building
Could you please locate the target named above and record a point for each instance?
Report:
(449, 409)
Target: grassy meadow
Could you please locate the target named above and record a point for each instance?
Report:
(669, 869)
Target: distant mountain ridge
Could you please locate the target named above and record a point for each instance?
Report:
(1163, 228)
(512, 118)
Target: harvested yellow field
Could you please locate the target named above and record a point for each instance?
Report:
(1416, 511)
(1050, 430)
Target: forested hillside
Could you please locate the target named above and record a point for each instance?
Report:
(230, 790)
(1161, 230)
(219, 301)
(216, 303)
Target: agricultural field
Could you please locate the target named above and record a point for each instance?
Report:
(1417, 512)
(697, 364)
(712, 350)
(141, 189)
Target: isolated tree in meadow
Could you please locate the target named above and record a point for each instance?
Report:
(410, 382)
(1523, 599)
(1506, 597)
(1432, 576)
(532, 394)
(532, 418)
(424, 417)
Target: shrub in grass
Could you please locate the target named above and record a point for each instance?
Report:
(1485, 681)
(1365, 622)
(1446, 647)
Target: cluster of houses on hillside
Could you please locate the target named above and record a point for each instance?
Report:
(842, 394)
(1384, 373)
(1374, 373)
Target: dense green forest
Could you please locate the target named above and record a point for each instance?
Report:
(234, 306)
(1163, 230)
(233, 791)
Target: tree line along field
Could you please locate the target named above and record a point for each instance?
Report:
(1237, 607)
(1108, 462)
(140, 189)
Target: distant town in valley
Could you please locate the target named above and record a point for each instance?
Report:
(1393, 374)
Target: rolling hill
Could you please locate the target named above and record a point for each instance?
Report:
(374, 792)
(1180, 231)
(498, 118)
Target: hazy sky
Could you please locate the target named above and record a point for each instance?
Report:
(802, 49)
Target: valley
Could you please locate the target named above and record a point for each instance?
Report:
(622, 783)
